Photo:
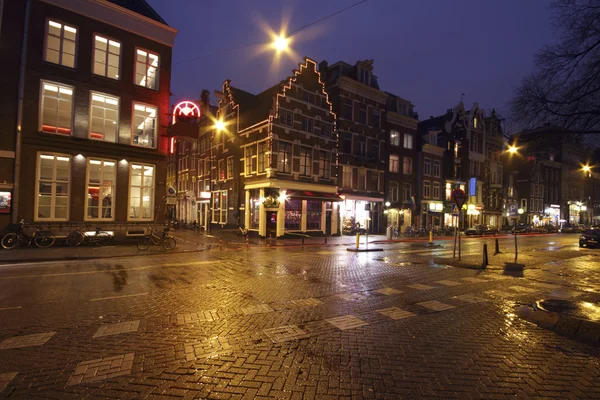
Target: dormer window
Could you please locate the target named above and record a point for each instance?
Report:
(364, 76)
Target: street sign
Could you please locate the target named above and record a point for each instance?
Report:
(513, 209)
(455, 209)
(171, 191)
(458, 197)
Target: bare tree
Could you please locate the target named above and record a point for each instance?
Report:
(565, 88)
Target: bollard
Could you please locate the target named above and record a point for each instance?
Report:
(357, 240)
(431, 237)
(485, 257)
(325, 239)
(221, 243)
(302, 241)
(246, 241)
(497, 251)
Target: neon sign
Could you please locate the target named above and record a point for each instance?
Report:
(186, 110)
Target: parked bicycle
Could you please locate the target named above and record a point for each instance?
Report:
(242, 231)
(17, 236)
(78, 236)
(164, 240)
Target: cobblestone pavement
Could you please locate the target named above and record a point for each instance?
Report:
(295, 323)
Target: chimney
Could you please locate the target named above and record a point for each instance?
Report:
(204, 101)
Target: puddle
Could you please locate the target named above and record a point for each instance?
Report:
(577, 309)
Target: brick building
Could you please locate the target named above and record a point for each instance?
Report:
(91, 141)
(272, 168)
(401, 150)
(360, 107)
(430, 203)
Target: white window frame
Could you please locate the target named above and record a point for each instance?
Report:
(408, 141)
(107, 54)
(410, 172)
(53, 183)
(396, 134)
(134, 128)
(147, 53)
(106, 97)
(59, 87)
(426, 189)
(324, 164)
(308, 159)
(427, 166)
(131, 168)
(113, 192)
(436, 168)
(229, 166)
(220, 220)
(393, 191)
(288, 160)
(435, 187)
(61, 39)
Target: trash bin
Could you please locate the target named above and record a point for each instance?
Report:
(388, 232)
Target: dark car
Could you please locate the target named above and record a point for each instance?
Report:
(590, 238)
(482, 229)
(570, 228)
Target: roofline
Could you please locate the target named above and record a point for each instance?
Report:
(96, 8)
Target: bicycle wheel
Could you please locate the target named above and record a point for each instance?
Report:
(101, 239)
(144, 243)
(43, 239)
(74, 238)
(169, 243)
(10, 241)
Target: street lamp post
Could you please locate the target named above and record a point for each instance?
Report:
(520, 211)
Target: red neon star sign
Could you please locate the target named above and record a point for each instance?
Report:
(186, 109)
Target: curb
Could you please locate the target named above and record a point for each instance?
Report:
(563, 324)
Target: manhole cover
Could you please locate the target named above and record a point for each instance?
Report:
(578, 309)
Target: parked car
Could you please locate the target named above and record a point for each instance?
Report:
(570, 228)
(482, 229)
(590, 238)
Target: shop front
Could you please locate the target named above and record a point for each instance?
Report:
(432, 213)
(400, 218)
(360, 213)
(551, 215)
(474, 214)
(276, 212)
(203, 210)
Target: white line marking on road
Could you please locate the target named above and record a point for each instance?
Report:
(119, 297)
(10, 308)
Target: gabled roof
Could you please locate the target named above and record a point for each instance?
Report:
(254, 108)
(140, 7)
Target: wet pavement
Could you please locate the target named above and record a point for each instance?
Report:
(292, 322)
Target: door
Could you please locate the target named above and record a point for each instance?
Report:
(272, 224)
(328, 222)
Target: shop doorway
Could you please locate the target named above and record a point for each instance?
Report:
(272, 224)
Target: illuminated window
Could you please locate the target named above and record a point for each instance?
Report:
(107, 56)
(222, 171)
(219, 209)
(144, 125)
(60, 44)
(229, 167)
(101, 180)
(347, 176)
(408, 141)
(284, 158)
(448, 191)
(305, 161)
(52, 189)
(475, 122)
(394, 138)
(141, 192)
(250, 157)
(394, 163)
(57, 108)
(146, 69)
(293, 215)
(104, 117)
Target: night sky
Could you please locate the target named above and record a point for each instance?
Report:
(429, 51)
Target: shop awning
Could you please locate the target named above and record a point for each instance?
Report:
(310, 195)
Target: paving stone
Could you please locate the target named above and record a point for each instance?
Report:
(202, 316)
(523, 289)
(435, 305)
(285, 333)
(115, 329)
(469, 298)
(448, 283)
(257, 309)
(396, 313)
(36, 339)
(346, 322)
(474, 280)
(388, 291)
(311, 302)
(419, 286)
(207, 348)
(101, 369)
(499, 293)
(5, 379)
(351, 296)
(563, 294)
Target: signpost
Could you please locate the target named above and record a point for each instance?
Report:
(459, 198)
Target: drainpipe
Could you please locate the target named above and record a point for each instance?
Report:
(21, 91)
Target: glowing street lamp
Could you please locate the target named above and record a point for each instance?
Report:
(512, 149)
(280, 43)
(219, 125)
(586, 168)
